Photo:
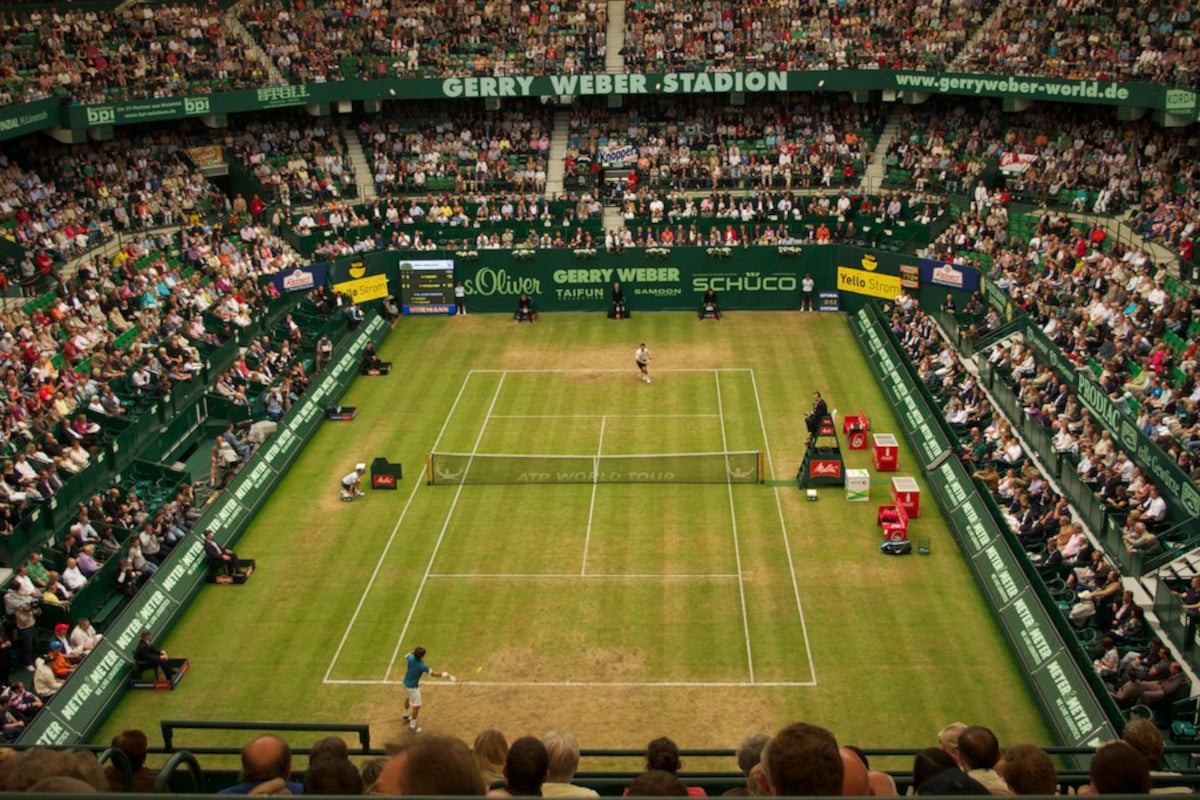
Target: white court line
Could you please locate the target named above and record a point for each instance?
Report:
(587, 539)
(577, 576)
(737, 552)
(812, 669)
(603, 416)
(388, 546)
(607, 369)
(590, 684)
(442, 535)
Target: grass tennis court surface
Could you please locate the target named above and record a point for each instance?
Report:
(620, 611)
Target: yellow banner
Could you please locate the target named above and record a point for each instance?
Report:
(857, 281)
(207, 155)
(372, 287)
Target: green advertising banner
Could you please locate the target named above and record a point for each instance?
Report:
(653, 279)
(1054, 90)
(1180, 491)
(27, 118)
(81, 705)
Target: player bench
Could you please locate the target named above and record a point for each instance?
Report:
(894, 521)
(856, 422)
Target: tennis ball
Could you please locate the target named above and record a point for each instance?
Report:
(479, 669)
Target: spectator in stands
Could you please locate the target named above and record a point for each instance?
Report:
(978, 754)
(134, 745)
(432, 766)
(38, 766)
(562, 750)
(663, 754)
(802, 760)
(264, 759)
(1117, 768)
(84, 637)
(1152, 691)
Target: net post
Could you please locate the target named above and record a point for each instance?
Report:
(428, 469)
(762, 472)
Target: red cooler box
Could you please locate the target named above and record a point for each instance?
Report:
(858, 439)
(885, 452)
(906, 493)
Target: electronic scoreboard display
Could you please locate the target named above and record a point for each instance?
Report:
(427, 287)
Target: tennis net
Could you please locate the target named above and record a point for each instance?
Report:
(491, 468)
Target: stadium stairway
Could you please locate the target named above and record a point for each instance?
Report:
(364, 176)
(234, 24)
(876, 171)
(976, 35)
(614, 37)
(556, 169)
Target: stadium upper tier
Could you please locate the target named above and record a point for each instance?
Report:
(98, 55)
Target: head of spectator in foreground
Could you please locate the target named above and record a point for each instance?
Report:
(22, 773)
(978, 748)
(1144, 736)
(490, 751)
(329, 775)
(662, 753)
(1029, 770)
(331, 747)
(929, 762)
(880, 783)
(563, 751)
(948, 738)
(749, 752)
(802, 760)
(265, 758)
(133, 744)
(657, 783)
(954, 782)
(1119, 769)
(526, 767)
(855, 780)
(433, 766)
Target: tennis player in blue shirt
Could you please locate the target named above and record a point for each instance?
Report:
(412, 685)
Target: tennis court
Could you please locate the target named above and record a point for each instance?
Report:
(627, 519)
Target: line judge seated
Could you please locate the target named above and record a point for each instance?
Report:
(526, 310)
(371, 364)
(618, 309)
(708, 305)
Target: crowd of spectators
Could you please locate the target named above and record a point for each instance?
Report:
(665, 36)
(98, 55)
(60, 201)
(941, 147)
(1154, 42)
(799, 760)
(1136, 668)
(377, 39)
(654, 219)
(429, 147)
(480, 222)
(699, 142)
(1114, 310)
(297, 158)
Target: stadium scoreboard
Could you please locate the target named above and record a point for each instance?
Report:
(427, 287)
